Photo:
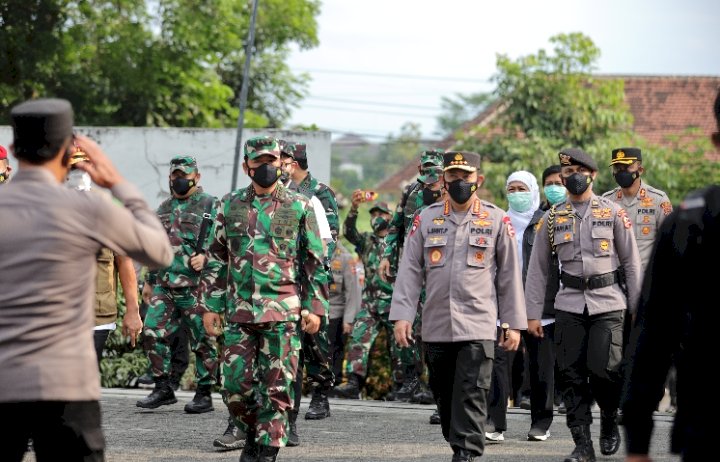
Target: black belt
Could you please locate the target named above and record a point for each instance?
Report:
(593, 282)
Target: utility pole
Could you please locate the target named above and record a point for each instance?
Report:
(249, 45)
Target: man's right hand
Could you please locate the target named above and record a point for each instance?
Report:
(403, 333)
(535, 328)
(384, 269)
(212, 324)
(356, 198)
(100, 168)
(147, 293)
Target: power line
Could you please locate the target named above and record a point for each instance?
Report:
(394, 76)
(366, 111)
(373, 103)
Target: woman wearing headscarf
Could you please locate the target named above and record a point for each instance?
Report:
(523, 195)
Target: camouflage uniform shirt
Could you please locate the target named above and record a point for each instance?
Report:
(410, 203)
(260, 248)
(182, 219)
(309, 187)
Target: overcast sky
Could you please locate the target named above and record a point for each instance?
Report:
(381, 52)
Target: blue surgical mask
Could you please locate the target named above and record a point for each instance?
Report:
(520, 201)
(555, 193)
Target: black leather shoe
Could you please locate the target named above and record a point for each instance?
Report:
(293, 437)
(162, 395)
(407, 390)
(609, 433)
(201, 402)
(319, 406)
(435, 418)
(251, 450)
(584, 451)
(462, 455)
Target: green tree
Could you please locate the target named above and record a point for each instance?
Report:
(459, 109)
(162, 63)
(551, 100)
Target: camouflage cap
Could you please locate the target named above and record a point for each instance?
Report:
(186, 164)
(381, 207)
(299, 151)
(430, 175)
(432, 157)
(286, 148)
(255, 147)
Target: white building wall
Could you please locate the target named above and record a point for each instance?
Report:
(143, 154)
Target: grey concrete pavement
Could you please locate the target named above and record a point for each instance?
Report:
(357, 431)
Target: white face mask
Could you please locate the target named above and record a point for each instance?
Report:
(77, 179)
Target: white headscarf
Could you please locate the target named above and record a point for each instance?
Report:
(520, 220)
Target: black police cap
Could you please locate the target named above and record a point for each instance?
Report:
(576, 156)
(41, 122)
(625, 156)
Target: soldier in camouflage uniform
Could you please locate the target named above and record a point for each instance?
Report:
(265, 266)
(417, 197)
(319, 370)
(173, 290)
(376, 298)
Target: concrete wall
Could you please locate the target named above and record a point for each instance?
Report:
(143, 154)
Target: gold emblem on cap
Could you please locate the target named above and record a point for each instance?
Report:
(620, 155)
(564, 159)
(458, 157)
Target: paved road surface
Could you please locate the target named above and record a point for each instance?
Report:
(358, 431)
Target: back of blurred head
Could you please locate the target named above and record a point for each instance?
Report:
(42, 129)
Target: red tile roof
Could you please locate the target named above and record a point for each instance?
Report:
(661, 106)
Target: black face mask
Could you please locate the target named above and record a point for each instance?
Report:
(265, 175)
(461, 191)
(625, 179)
(577, 183)
(429, 196)
(181, 186)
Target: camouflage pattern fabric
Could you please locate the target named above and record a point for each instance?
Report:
(377, 295)
(310, 187)
(182, 219)
(264, 250)
(400, 223)
(259, 367)
(168, 309)
(259, 246)
(174, 299)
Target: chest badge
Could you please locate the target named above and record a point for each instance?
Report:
(645, 230)
(438, 220)
(604, 245)
(435, 256)
(479, 256)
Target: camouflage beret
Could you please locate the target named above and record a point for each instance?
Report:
(186, 164)
(255, 147)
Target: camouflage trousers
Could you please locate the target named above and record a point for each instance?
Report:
(168, 308)
(259, 366)
(315, 357)
(364, 332)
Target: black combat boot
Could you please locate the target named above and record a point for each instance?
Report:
(293, 438)
(349, 390)
(392, 394)
(162, 395)
(201, 402)
(232, 438)
(408, 389)
(251, 450)
(267, 453)
(584, 451)
(422, 394)
(435, 417)
(319, 406)
(609, 433)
